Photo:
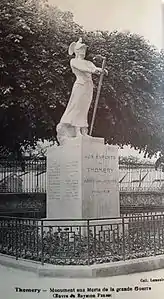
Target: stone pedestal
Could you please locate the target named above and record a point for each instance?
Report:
(83, 180)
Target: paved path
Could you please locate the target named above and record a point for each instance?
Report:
(12, 278)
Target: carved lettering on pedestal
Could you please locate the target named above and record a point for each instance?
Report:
(101, 176)
(62, 181)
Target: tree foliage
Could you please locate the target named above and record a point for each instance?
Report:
(36, 79)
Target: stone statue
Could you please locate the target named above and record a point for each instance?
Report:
(74, 120)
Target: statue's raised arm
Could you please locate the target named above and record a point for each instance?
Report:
(84, 66)
(74, 120)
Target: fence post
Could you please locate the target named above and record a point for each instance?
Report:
(16, 226)
(154, 227)
(42, 244)
(88, 243)
(123, 236)
(2, 233)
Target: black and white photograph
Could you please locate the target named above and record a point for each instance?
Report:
(82, 149)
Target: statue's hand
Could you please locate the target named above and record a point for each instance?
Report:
(106, 72)
(98, 71)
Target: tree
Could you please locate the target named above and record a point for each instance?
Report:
(131, 105)
(31, 65)
(36, 79)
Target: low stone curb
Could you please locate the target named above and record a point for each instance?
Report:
(96, 270)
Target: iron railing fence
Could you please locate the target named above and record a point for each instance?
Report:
(26, 176)
(29, 176)
(141, 177)
(23, 213)
(141, 210)
(82, 242)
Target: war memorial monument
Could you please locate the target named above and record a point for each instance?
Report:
(83, 172)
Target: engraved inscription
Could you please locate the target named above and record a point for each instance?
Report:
(62, 180)
(100, 181)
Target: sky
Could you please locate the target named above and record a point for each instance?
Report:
(138, 16)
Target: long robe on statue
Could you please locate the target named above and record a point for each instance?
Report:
(76, 113)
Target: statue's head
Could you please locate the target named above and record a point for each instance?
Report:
(78, 48)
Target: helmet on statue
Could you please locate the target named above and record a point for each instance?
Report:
(76, 46)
